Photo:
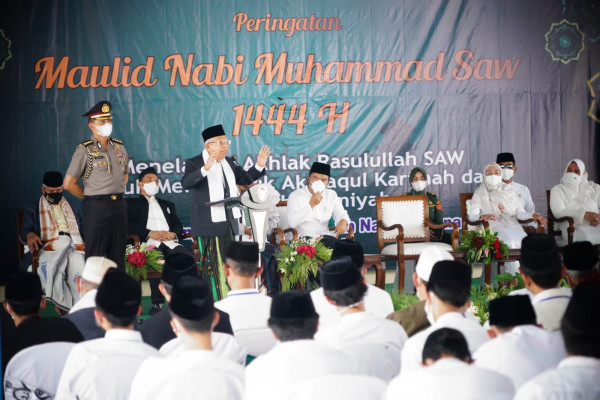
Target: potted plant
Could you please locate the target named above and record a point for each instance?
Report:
(299, 259)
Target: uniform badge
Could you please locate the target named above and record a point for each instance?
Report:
(168, 210)
(105, 108)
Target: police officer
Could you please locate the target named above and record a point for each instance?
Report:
(101, 163)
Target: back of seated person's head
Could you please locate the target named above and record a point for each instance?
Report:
(509, 311)
(192, 304)
(242, 258)
(342, 282)
(177, 263)
(350, 248)
(93, 272)
(23, 293)
(540, 260)
(445, 343)
(450, 281)
(580, 325)
(118, 298)
(580, 259)
(293, 316)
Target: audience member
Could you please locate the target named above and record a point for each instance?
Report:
(248, 309)
(377, 301)
(82, 313)
(414, 319)
(193, 318)
(449, 373)
(24, 302)
(448, 292)
(581, 261)
(576, 377)
(519, 349)
(296, 357)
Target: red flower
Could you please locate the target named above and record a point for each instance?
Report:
(137, 259)
(309, 251)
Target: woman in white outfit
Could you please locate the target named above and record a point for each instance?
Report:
(578, 198)
(498, 204)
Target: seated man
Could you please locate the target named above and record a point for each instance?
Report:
(248, 309)
(576, 377)
(193, 317)
(415, 318)
(581, 261)
(118, 304)
(296, 357)
(509, 167)
(155, 221)
(310, 208)
(53, 226)
(448, 292)
(24, 302)
(345, 288)
(519, 348)
(377, 301)
(82, 313)
(157, 330)
(542, 271)
(449, 373)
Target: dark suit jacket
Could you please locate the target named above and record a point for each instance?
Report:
(85, 322)
(157, 330)
(31, 220)
(137, 217)
(36, 330)
(202, 224)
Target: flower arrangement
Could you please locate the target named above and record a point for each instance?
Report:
(483, 247)
(299, 258)
(138, 261)
(481, 296)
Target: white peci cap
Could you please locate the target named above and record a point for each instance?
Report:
(427, 260)
(95, 268)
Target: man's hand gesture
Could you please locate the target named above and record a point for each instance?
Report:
(315, 199)
(263, 156)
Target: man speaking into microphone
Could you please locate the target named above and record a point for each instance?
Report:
(212, 176)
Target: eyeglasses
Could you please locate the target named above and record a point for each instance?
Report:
(221, 142)
(507, 166)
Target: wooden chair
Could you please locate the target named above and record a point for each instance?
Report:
(35, 254)
(403, 230)
(278, 236)
(552, 220)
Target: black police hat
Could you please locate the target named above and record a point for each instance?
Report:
(100, 111)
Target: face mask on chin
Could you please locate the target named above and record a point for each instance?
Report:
(493, 180)
(53, 198)
(419, 186)
(151, 188)
(572, 178)
(507, 174)
(104, 130)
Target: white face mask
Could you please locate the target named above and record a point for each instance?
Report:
(572, 178)
(429, 312)
(507, 174)
(419, 186)
(318, 186)
(104, 130)
(493, 180)
(151, 188)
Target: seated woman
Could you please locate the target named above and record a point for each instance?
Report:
(578, 198)
(418, 182)
(498, 204)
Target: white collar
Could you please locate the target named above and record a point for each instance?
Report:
(552, 294)
(123, 335)
(241, 292)
(579, 361)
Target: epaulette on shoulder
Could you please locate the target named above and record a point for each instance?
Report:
(433, 194)
(86, 143)
(405, 194)
(117, 141)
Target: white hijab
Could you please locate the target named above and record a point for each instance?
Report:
(502, 193)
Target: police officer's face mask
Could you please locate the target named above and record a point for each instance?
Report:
(104, 130)
(53, 198)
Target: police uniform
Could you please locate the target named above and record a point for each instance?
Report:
(104, 209)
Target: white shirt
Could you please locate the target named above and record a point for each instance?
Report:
(412, 354)
(314, 221)
(87, 301)
(156, 374)
(525, 195)
(522, 353)
(377, 302)
(248, 313)
(116, 342)
(157, 222)
(289, 363)
(448, 379)
(373, 344)
(575, 378)
(550, 306)
(223, 345)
